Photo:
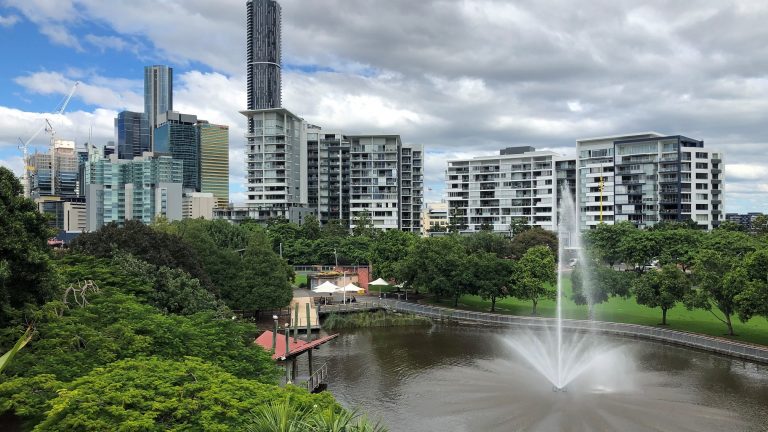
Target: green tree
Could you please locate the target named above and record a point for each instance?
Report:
(603, 241)
(497, 244)
(437, 264)
(760, 225)
(264, 279)
(662, 289)
(719, 280)
(334, 228)
(535, 236)
(26, 273)
(162, 395)
(754, 299)
(151, 245)
(518, 225)
(363, 225)
(731, 226)
(490, 276)
(536, 276)
(679, 246)
(639, 247)
(389, 250)
(310, 229)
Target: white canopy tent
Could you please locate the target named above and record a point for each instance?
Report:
(379, 283)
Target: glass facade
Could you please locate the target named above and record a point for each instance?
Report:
(214, 161)
(158, 95)
(180, 141)
(132, 131)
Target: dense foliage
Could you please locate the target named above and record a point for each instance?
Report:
(26, 273)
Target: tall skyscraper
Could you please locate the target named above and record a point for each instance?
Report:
(263, 50)
(214, 160)
(132, 130)
(176, 136)
(158, 95)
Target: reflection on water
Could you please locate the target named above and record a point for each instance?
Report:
(452, 378)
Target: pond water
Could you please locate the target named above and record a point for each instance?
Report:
(454, 378)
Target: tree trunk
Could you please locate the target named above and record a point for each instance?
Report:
(493, 303)
(730, 324)
(456, 300)
(534, 307)
(663, 316)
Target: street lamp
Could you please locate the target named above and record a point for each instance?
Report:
(274, 334)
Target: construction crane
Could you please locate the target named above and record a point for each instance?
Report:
(48, 127)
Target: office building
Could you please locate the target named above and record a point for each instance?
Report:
(493, 191)
(196, 205)
(263, 46)
(158, 96)
(214, 160)
(139, 189)
(648, 178)
(176, 136)
(434, 217)
(132, 131)
(276, 155)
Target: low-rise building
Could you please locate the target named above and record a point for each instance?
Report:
(434, 216)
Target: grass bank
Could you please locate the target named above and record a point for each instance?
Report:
(300, 279)
(626, 311)
(373, 319)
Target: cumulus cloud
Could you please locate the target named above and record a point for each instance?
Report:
(9, 20)
(460, 76)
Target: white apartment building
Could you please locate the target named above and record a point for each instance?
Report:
(519, 183)
(648, 178)
(276, 151)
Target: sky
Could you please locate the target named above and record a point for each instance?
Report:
(461, 77)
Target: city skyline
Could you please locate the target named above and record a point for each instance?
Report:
(552, 79)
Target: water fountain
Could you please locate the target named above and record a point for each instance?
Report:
(559, 360)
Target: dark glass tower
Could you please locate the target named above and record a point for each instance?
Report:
(264, 57)
(132, 134)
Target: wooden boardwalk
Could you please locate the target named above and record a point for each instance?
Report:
(350, 307)
(301, 324)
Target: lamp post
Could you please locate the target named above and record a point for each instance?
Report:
(274, 334)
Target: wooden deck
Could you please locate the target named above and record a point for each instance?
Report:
(349, 307)
(301, 323)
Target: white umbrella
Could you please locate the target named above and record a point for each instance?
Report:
(379, 282)
(349, 288)
(326, 287)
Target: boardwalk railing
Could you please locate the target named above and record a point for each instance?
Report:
(317, 378)
(708, 343)
(349, 307)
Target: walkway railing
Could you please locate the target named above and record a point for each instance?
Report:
(708, 343)
(317, 378)
(349, 307)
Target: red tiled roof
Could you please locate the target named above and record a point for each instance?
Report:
(294, 347)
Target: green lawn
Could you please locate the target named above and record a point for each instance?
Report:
(299, 279)
(627, 311)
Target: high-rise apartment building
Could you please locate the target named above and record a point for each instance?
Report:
(263, 54)
(132, 131)
(176, 136)
(328, 154)
(519, 183)
(214, 160)
(158, 96)
(374, 180)
(276, 178)
(139, 189)
(648, 178)
(411, 186)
